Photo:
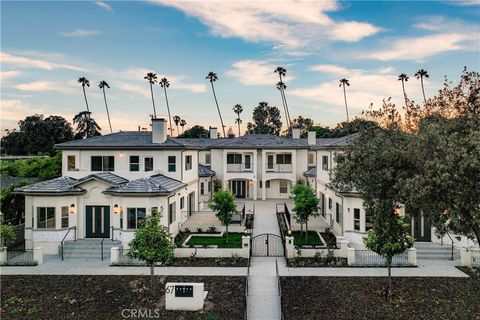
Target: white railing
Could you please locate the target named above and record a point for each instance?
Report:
(370, 258)
(239, 167)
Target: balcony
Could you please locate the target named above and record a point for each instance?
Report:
(239, 167)
(279, 168)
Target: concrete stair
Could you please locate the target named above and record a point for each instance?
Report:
(88, 249)
(435, 251)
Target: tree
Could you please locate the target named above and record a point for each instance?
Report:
(195, 132)
(7, 234)
(404, 78)
(183, 123)
(281, 86)
(84, 82)
(304, 124)
(305, 205)
(266, 120)
(152, 78)
(212, 77)
(164, 83)
(238, 109)
(87, 127)
(102, 85)
(152, 243)
(344, 82)
(176, 120)
(223, 203)
(420, 74)
(12, 205)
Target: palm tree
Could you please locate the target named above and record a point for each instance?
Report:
(177, 119)
(420, 75)
(152, 78)
(404, 78)
(238, 109)
(344, 82)
(84, 82)
(87, 127)
(182, 124)
(102, 85)
(164, 83)
(281, 73)
(212, 77)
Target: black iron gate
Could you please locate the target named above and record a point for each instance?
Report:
(267, 245)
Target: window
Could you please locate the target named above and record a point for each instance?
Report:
(356, 219)
(325, 163)
(188, 163)
(135, 216)
(234, 158)
(311, 158)
(182, 203)
(64, 217)
(284, 158)
(71, 163)
(283, 186)
(267, 184)
(337, 212)
(148, 163)
(202, 188)
(248, 162)
(330, 203)
(322, 204)
(368, 221)
(260, 184)
(102, 163)
(171, 213)
(209, 187)
(134, 163)
(172, 163)
(121, 220)
(208, 158)
(45, 217)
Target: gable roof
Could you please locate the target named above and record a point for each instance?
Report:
(205, 171)
(311, 172)
(107, 177)
(57, 186)
(154, 185)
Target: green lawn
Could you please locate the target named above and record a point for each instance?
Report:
(313, 238)
(234, 241)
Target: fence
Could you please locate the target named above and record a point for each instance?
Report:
(370, 258)
(20, 257)
(470, 257)
(475, 258)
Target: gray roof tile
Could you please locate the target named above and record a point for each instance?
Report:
(61, 185)
(154, 185)
(311, 172)
(107, 177)
(205, 171)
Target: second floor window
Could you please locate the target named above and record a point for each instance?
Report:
(71, 163)
(234, 158)
(188, 163)
(102, 163)
(311, 158)
(202, 188)
(148, 162)
(208, 158)
(134, 163)
(284, 158)
(172, 163)
(325, 163)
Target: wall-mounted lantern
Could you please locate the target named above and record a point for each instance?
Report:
(397, 210)
(117, 209)
(289, 232)
(72, 209)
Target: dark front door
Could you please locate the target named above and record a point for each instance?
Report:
(239, 188)
(97, 221)
(191, 203)
(422, 229)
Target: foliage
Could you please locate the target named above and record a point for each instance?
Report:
(152, 243)
(87, 127)
(37, 135)
(266, 120)
(43, 168)
(223, 203)
(12, 205)
(234, 241)
(305, 205)
(195, 132)
(7, 234)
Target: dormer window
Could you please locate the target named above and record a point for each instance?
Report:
(102, 163)
(134, 163)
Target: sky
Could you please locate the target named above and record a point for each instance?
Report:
(47, 46)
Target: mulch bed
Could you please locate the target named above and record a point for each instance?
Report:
(310, 262)
(104, 297)
(306, 298)
(209, 262)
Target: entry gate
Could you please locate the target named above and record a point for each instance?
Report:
(267, 245)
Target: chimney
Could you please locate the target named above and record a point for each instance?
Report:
(312, 138)
(295, 133)
(213, 133)
(159, 130)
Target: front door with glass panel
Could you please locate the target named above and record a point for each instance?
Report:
(97, 221)
(239, 188)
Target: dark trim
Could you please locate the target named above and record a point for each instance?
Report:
(121, 148)
(49, 193)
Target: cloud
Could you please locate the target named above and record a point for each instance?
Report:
(104, 5)
(140, 90)
(5, 75)
(31, 62)
(254, 72)
(44, 86)
(79, 33)
(284, 24)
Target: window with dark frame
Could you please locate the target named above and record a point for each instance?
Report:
(325, 163)
(71, 163)
(171, 213)
(208, 158)
(283, 186)
(234, 158)
(45, 217)
(311, 158)
(135, 217)
(172, 163)
(102, 163)
(182, 203)
(267, 184)
(148, 163)
(209, 186)
(356, 219)
(337, 212)
(202, 188)
(330, 203)
(188, 163)
(284, 158)
(64, 220)
(134, 163)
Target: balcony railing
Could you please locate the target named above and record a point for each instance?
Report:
(276, 167)
(239, 167)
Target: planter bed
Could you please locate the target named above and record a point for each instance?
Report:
(234, 240)
(314, 239)
(194, 262)
(309, 262)
(363, 297)
(104, 297)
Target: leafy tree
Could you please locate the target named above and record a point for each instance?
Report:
(87, 127)
(194, 132)
(43, 168)
(183, 123)
(404, 78)
(344, 82)
(152, 243)
(7, 234)
(164, 83)
(12, 205)
(238, 109)
(102, 85)
(305, 205)
(176, 120)
(266, 120)
(420, 74)
(282, 72)
(212, 77)
(14, 143)
(151, 77)
(223, 203)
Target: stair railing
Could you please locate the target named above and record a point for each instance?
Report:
(101, 248)
(66, 234)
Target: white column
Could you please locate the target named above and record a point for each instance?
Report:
(245, 246)
(264, 184)
(343, 244)
(465, 257)
(38, 255)
(412, 256)
(289, 247)
(3, 255)
(114, 255)
(351, 256)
